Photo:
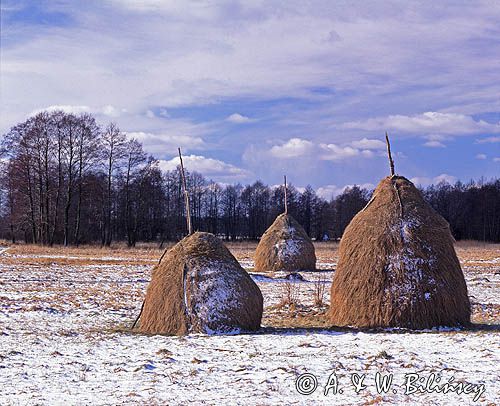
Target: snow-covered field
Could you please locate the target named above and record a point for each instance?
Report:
(64, 339)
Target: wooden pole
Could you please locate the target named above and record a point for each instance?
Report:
(391, 162)
(286, 201)
(186, 197)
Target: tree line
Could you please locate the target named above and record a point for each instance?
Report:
(66, 180)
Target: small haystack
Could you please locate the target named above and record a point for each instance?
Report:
(397, 265)
(285, 246)
(199, 286)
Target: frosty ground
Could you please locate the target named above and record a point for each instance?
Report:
(65, 316)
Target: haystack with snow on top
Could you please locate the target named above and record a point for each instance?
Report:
(285, 246)
(397, 265)
(199, 286)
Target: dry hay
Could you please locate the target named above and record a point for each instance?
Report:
(200, 287)
(397, 265)
(285, 246)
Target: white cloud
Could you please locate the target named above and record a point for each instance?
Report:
(208, 167)
(146, 5)
(108, 110)
(66, 108)
(445, 178)
(331, 191)
(237, 118)
(328, 192)
(343, 64)
(496, 159)
(300, 189)
(367, 153)
(480, 156)
(366, 143)
(434, 144)
(424, 124)
(293, 148)
(333, 152)
(169, 7)
(165, 144)
(208, 52)
(425, 181)
(112, 111)
(174, 133)
(297, 147)
(436, 140)
(488, 140)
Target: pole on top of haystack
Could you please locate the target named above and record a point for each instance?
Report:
(286, 200)
(186, 197)
(391, 162)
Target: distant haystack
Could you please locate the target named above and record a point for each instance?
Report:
(285, 246)
(200, 287)
(397, 265)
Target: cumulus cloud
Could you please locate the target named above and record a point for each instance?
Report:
(250, 58)
(237, 118)
(436, 140)
(488, 140)
(329, 192)
(66, 108)
(203, 55)
(333, 152)
(209, 167)
(293, 148)
(300, 189)
(445, 178)
(481, 156)
(434, 144)
(112, 111)
(426, 123)
(425, 181)
(366, 143)
(108, 110)
(297, 147)
(166, 143)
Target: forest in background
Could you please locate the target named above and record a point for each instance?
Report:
(66, 180)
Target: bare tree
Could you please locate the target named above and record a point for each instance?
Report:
(70, 162)
(135, 157)
(114, 144)
(88, 145)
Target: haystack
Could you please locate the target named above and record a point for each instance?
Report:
(285, 246)
(397, 265)
(199, 286)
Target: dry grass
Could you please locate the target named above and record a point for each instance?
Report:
(84, 255)
(299, 318)
(290, 295)
(243, 250)
(477, 261)
(320, 285)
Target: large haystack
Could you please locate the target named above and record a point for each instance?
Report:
(200, 287)
(397, 265)
(285, 246)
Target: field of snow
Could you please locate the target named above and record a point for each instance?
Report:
(64, 339)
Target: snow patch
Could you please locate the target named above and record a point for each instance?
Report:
(287, 248)
(406, 270)
(214, 286)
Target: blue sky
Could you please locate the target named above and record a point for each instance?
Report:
(255, 89)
